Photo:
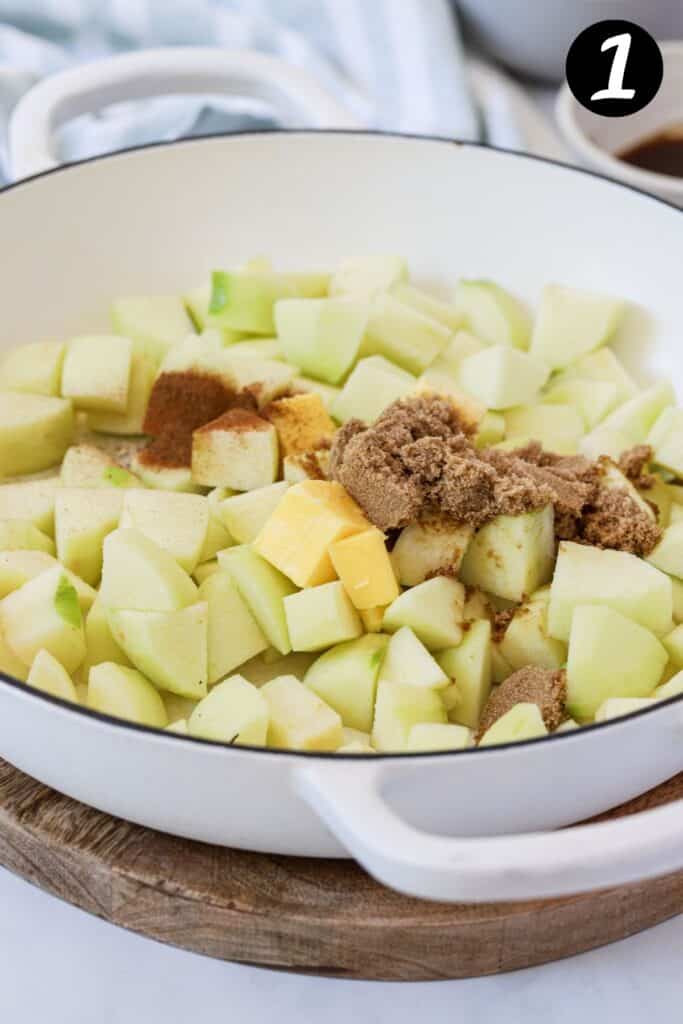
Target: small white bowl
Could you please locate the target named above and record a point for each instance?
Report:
(596, 140)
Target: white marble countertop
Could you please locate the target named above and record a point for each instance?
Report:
(60, 965)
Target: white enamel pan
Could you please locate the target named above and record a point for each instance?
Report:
(473, 825)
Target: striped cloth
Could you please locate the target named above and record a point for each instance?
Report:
(395, 64)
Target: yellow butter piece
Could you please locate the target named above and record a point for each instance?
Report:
(363, 565)
(372, 618)
(311, 516)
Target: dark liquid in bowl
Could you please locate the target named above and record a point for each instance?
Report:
(661, 153)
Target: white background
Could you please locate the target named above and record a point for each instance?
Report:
(61, 966)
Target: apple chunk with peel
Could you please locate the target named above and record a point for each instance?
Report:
(83, 518)
(512, 555)
(373, 384)
(426, 736)
(140, 576)
(244, 300)
(319, 617)
(20, 535)
(590, 576)
(433, 610)
(96, 372)
(345, 677)
(169, 648)
(238, 450)
(36, 368)
(322, 337)
(45, 614)
(522, 722)
(234, 636)
(50, 676)
(234, 712)
(570, 323)
(84, 465)
(609, 656)
(425, 549)
(263, 589)
(244, 515)
(502, 377)
(35, 431)
(299, 719)
(363, 565)
(469, 667)
(178, 523)
(408, 661)
(397, 709)
(492, 313)
(125, 693)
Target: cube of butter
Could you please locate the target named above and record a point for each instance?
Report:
(363, 565)
(311, 516)
(301, 421)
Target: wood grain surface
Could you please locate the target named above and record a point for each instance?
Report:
(323, 917)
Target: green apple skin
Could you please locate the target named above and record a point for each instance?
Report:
(169, 648)
(84, 465)
(245, 300)
(48, 675)
(521, 722)
(345, 677)
(318, 617)
(160, 585)
(24, 418)
(512, 555)
(433, 610)
(615, 579)
(45, 614)
(469, 667)
(609, 656)
(397, 709)
(125, 693)
(263, 588)
(234, 636)
(299, 719)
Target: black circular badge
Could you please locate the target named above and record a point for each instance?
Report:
(614, 68)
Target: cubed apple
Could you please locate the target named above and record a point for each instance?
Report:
(139, 575)
(373, 384)
(492, 313)
(372, 618)
(397, 709)
(491, 430)
(368, 275)
(609, 656)
(668, 554)
(345, 677)
(666, 439)
(522, 722)
(407, 660)
(21, 535)
(364, 567)
(299, 719)
(468, 667)
(612, 478)
(18, 567)
(673, 642)
(445, 313)
(36, 368)
(636, 417)
(10, 665)
(526, 640)
(571, 322)
(671, 688)
(428, 736)
(433, 610)
(592, 399)
(32, 501)
(309, 386)
(245, 300)
(604, 441)
(45, 614)
(617, 707)
(245, 515)
(35, 431)
(178, 523)
(311, 516)
(238, 450)
(99, 643)
(502, 377)
(402, 334)
(302, 423)
(50, 676)
(601, 365)
(142, 374)
(512, 555)
(559, 428)
(83, 518)
(263, 588)
(590, 576)
(234, 636)
(266, 379)
(125, 693)
(321, 616)
(96, 372)
(234, 712)
(322, 337)
(84, 465)
(152, 322)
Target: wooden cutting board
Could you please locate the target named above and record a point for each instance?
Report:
(321, 917)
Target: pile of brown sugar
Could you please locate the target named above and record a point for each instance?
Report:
(529, 685)
(418, 461)
(179, 404)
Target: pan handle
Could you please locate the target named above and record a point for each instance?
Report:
(538, 865)
(297, 97)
